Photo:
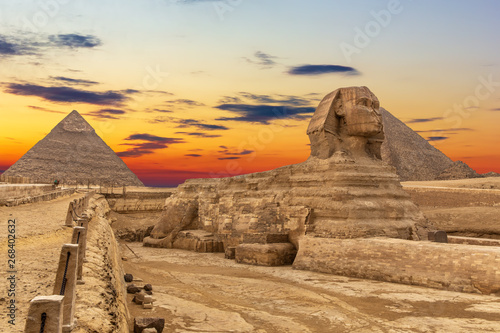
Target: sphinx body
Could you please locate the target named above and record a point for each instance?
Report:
(342, 191)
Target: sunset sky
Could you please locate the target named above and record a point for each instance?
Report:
(200, 88)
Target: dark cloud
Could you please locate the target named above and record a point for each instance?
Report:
(229, 158)
(79, 82)
(264, 113)
(446, 130)
(152, 143)
(39, 108)
(185, 102)
(107, 113)
(232, 154)
(75, 40)
(185, 123)
(437, 138)
(200, 134)
(321, 69)
(69, 94)
(10, 47)
(193, 155)
(423, 120)
(263, 60)
(497, 109)
(162, 110)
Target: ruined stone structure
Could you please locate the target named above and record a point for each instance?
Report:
(343, 190)
(342, 211)
(73, 154)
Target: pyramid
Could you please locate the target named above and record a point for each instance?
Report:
(412, 156)
(73, 154)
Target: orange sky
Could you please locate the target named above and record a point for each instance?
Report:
(181, 89)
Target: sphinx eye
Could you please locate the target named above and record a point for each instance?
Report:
(364, 101)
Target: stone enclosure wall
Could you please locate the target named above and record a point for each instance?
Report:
(444, 266)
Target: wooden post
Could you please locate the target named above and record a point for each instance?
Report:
(45, 314)
(65, 284)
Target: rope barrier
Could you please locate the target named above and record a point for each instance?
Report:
(64, 280)
(44, 318)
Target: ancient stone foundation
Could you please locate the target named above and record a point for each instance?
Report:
(436, 265)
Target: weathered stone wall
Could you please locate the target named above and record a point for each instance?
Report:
(101, 301)
(14, 191)
(443, 266)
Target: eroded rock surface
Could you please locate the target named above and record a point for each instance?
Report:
(344, 190)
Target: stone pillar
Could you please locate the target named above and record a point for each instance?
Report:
(69, 215)
(66, 283)
(79, 236)
(84, 222)
(46, 311)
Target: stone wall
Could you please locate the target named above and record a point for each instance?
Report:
(101, 301)
(444, 266)
(13, 191)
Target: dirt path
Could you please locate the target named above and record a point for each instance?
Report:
(206, 293)
(40, 232)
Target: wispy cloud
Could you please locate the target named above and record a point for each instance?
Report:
(75, 40)
(11, 47)
(446, 130)
(69, 94)
(200, 134)
(78, 82)
(183, 103)
(263, 60)
(264, 113)
(106, 113)
(193, 155)
(186, 123)
(312, 70)
(39, 108)
(437, 138)
(148, 146)
(496, 109)
(232, 153)
(423, 120)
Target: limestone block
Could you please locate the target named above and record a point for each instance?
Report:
(142, 323)
(46, 311)
(276, 254)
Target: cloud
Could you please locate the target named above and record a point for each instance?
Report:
(423, 120)
(106, 113)
(185, 123)
(322, 69)
(200, 134)
(69, 94)
(446, 130)
(74, 41)
(152, 142)
(228, 158)
(184, 102)
(193, 155)
(263, 60)
(232, 153)
(497, 109)
(13, 48)
(264, 113)
(39, 108)
(437, 138)
(68, 80)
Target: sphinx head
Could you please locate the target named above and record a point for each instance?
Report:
(347, 120)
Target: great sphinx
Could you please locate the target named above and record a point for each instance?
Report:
(343, 190)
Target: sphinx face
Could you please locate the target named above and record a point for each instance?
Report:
(361, 113)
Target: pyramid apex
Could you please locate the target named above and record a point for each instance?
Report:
(74, 122)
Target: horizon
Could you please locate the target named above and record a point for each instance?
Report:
(198, 88)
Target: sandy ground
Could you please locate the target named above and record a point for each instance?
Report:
(40, 233)
(197, 292)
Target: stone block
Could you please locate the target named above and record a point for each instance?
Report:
(142, 323)
(46, 311)
(276, 254)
